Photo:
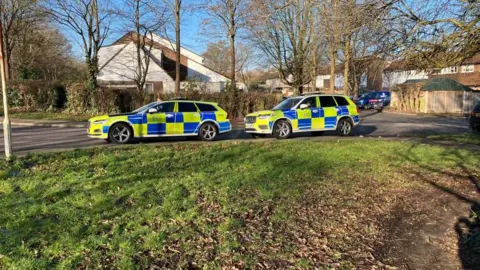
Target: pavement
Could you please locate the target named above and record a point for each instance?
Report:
(40, 136)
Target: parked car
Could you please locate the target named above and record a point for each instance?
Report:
(366, 100)
(475, 118)
(162, 119)
(312, 113)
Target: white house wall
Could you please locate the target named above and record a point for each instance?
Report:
(390, 79)
(123, 66)
(198, 72)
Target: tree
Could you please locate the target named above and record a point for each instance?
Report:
(217, 57)
(176, 8)
(231, 15)
(284, 33)
(90, 21)
(437, 38)
(16, 16)
(145, 17)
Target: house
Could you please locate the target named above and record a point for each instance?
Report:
(466, 73)
(118, 66)
(398, 72)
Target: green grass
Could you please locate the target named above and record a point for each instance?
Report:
(280, 204)
(48, 116)
(470, 138)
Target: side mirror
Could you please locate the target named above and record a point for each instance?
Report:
(152, 110)
(303, 106)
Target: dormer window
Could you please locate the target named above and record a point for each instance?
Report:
(449, 70)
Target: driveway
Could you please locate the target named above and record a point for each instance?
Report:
(34, 139)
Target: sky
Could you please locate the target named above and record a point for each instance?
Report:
(191, 36)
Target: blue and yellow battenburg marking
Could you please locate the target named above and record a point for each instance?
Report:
(163, 124)
(305, 120)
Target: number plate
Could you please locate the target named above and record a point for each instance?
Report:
(249, 125)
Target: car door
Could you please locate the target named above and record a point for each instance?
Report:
(342, 106)
(159, 123)
(329, 111)
(187, 118)
(304, 116)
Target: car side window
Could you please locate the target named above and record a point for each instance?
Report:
(187, 107)
(165, 107)
(341, 101)
(327, 101)
(206, 107)
(311, 102)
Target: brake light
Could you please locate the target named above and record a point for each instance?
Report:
(228, 116)
(358, 110)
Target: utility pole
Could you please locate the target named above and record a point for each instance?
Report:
(7, 132)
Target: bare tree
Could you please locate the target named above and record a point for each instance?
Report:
(231, 15)
(439, 34)
(285, 36)
(90, 21)
(217, 57)
(16, 16)
(145, 17)
(177, 8)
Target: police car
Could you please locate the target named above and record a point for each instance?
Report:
(161, 119)
(313, 113)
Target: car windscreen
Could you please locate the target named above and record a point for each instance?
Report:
(287, 104)
(146, 107)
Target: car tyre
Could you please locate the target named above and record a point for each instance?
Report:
(120, 133)
(282, 129)
(344, 127)
(208, 132)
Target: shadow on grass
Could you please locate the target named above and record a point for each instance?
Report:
(466, 227)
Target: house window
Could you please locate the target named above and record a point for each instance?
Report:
(467, 69)
(148, 87)
(449, 70)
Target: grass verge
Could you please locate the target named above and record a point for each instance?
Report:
(49, 116)
(262, 205)
(470, 138)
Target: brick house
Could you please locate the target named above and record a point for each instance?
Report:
(466, 73)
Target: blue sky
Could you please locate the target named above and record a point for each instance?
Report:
(191, 36)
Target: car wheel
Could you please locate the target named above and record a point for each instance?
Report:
(120, 133)
(282, 129)
(318, 133)
(208, 132)
(344, 127)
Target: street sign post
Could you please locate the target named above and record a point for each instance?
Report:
(7, 133)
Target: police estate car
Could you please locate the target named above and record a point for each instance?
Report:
(160, 119)
(313, 113)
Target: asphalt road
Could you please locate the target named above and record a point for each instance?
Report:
(34, 139)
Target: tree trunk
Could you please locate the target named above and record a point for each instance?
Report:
(233, 85)
(178, 4)
(346, 70)
(332, 68)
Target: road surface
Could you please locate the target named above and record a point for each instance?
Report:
(35, 139)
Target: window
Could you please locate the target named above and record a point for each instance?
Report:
(327, 101)
(341, 101)
(148, 87)
(187, 107)
(165, 107)
(287, 104)
(449, 70)
(311, 102)
(206, 107)
(467, 69)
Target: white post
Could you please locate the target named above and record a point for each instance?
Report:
(7, 133)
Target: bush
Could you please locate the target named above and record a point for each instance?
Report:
(37, 95)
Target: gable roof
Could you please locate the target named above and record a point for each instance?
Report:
(444, 84)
